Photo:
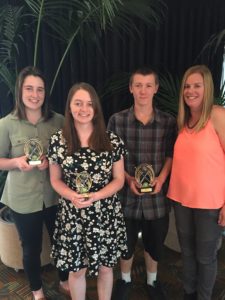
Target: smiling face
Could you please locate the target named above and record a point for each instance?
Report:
(81, 107)
(194, 91)
(33, 93)
(143, 88)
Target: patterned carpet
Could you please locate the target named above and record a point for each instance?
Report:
(13, 285)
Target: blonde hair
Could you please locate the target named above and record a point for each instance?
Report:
(208, 98)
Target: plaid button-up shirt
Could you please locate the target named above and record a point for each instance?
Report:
(151, 143)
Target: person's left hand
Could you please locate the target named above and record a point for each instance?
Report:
(44, 163)
(221, 219)
(157, 184)
(92, 197)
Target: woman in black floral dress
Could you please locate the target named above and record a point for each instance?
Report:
(90, 230)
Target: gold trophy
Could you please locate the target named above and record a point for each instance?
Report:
(83, 183)
(145, 175)
(33, 150)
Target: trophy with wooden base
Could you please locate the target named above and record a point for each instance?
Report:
(145, 176)
(33, 150)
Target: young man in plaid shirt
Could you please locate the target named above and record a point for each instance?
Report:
(149, 135)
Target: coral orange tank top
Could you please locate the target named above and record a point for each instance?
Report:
(198, 171)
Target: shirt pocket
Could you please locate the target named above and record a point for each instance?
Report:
(18, 142)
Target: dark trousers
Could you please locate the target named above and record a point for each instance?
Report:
(199, 235)
(30, 229)
(153, 236)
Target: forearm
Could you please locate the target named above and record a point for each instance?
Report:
(62, 189)
(165, 170)
(9, 163)
(128, 178)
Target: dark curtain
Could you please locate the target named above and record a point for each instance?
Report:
(177, 44)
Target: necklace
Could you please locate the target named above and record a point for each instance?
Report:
(191, 126)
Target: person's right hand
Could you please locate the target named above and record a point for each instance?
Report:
(221, 220)
(134, 185)
(22, 164)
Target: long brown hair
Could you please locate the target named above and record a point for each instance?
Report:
(208, 98)
(99, 139)
(19, 109)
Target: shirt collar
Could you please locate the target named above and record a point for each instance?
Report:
(15, 117)
(156, 115)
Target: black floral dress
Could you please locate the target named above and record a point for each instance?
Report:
(93, 236)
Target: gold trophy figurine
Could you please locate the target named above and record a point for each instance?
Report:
(145, 176)
(33, 150)
(83, 183)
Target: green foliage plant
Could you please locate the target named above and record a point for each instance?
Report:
(65, 21)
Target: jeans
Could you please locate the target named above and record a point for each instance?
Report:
(30, 229)
(199, 235)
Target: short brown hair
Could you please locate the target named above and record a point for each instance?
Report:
(144, 71)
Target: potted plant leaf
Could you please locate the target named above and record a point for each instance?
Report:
(65, 21)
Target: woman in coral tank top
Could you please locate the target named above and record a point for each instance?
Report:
(197, 184)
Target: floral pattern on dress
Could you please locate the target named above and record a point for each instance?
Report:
(93, 236)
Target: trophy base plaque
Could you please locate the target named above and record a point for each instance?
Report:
(34, 162)
(146, 189)
(86, 196)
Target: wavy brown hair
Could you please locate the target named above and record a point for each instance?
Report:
(99, 139)
(19, 109)
(208, 98)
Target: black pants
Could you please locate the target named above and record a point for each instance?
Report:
(153, 235)
(30, 229)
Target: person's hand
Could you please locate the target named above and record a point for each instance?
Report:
(44, 163)
(134, 185)
(92, 197)
(79, 201)
(157, 184)
(22, 164)
(221, 219)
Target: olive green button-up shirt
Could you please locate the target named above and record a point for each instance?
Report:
(27, 192)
